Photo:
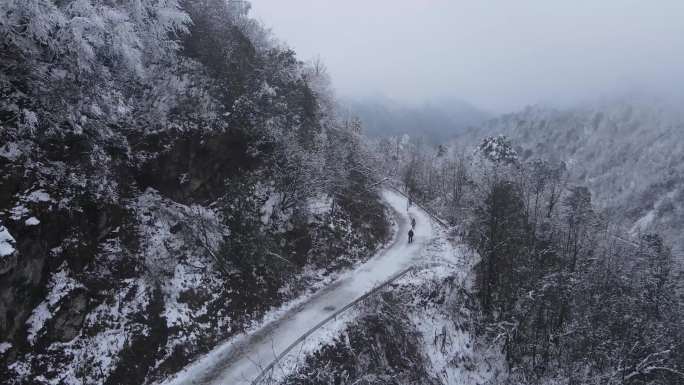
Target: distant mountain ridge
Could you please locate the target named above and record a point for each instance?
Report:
(435, 121)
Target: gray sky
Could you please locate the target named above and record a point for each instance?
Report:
(497, 54)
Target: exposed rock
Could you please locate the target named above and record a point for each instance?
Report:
(69, 319)
(195, 166)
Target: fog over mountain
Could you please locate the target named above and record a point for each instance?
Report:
(435, 121)
(498, 55)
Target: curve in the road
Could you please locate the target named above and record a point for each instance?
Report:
(241, 363)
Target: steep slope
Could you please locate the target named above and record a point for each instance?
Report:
(168, 175)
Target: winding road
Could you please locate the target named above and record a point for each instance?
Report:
(240, 362)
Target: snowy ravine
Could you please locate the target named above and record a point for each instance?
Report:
(239, 360)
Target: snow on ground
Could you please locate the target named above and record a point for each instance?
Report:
(643, 223)
(7, 242)
(39, 196)
(651, 218)
(449, 341)
(4, 346)
(60, 285)
(105, 347)
(454, 354)
(267, 209)
(37, 320)
(10, 151)
(106, 332)
(320, 205)
(33, 198)
(19, 211)
(33, 221)
(238, 361)
(175, 240)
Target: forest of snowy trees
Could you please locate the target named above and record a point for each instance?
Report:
(627, 151)
(571, 296)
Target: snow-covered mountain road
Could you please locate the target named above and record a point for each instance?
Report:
(241, 360)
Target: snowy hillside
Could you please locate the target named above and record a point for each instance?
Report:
(629, 153)
(169, 174)
(562, 283)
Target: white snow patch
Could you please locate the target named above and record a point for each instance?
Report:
(10, 151)
(39, 196)
(643, 223)
(29, 121)
(107, 329)
(179, 313)
(21, 368)
(4, 347)
(453, 352)
(114, 320)
(60, 285)
(200, 230)
(178, 242)
(109, 343)
(7, 242)
(33, 221)
(37, 320)
(267, 90)
(19, 211)
(267, 209)
(320, 205)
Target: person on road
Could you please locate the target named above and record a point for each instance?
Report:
(413, 223)
(410, 234)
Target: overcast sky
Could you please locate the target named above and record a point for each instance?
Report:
(497, 54)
